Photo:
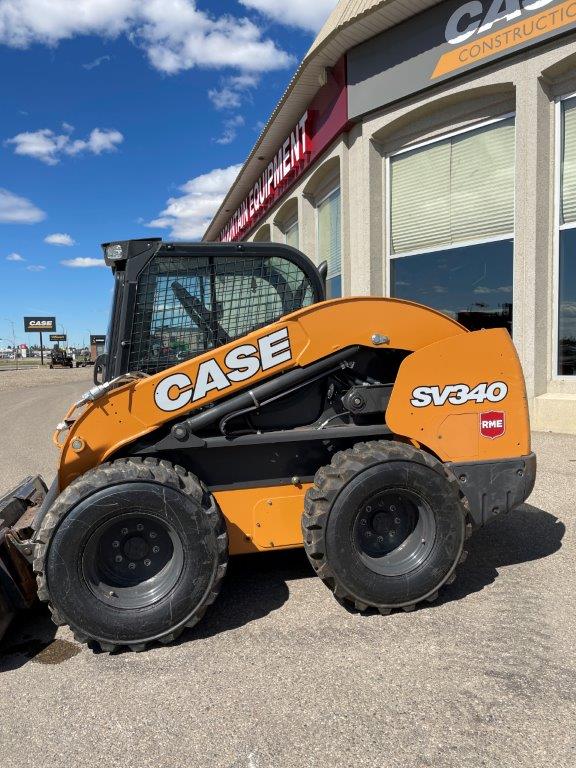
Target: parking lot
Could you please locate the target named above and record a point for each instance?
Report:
(279, 675)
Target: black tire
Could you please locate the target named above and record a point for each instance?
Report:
(131, 552)
(368, 558)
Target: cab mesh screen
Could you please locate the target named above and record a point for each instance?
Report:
(187, 305)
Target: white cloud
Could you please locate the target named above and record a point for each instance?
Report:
(15, 257)
(48, 147)
(230, 130)
(174, 35)
(97, 62)
(188, 216)
(36, 268)
(83, 262)
(500, 289)
(306, 14)
(232, 91)
(59, 238)
(18, 210)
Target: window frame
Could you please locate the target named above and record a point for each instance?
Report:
(558, 229)
(335, 186)
(389, 256)
(288, 225)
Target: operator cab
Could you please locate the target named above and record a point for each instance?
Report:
(175, 301)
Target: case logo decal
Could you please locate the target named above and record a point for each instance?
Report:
(492, 424)
(458, 394)
(241, 363)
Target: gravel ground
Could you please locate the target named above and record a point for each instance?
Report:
(39, 377)
(279, 675)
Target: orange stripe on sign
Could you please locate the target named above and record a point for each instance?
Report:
(515, 34)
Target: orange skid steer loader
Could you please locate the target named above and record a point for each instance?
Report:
(236, 411)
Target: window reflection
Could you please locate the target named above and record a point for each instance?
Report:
(472, 284)
(567, 304)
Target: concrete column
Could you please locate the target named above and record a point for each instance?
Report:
(307, 227)
(533, 247)
(355, 205)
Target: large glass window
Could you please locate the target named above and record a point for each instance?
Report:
(330, 241)
(567, 242)
(452, 222)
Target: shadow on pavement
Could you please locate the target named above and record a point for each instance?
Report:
(32, 637)
(257, 585)
(524, 535)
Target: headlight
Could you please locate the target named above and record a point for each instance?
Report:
(114, 252)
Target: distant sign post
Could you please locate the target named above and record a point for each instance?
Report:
(58, 337)
(40, 325)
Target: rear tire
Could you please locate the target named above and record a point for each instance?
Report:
(384, 526)
(131, 552)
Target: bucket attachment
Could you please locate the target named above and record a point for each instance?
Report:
(17, 582)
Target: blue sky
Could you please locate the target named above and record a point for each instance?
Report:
(125, 118)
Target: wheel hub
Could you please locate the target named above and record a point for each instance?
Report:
(135, 548)
(393, 531)
(133, 561)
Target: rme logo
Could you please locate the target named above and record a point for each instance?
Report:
(492, 424)
(471, 18)
(241, 364)
(459, 394)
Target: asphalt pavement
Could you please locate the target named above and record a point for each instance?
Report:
(278, 675)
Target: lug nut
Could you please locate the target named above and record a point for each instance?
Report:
(115, 544)
(139, 527)
(392, 508)
(124, 531)
(118, 558)
(392, 534)
(147, 562)
(153, 534)
(397, 520)
(131, 566)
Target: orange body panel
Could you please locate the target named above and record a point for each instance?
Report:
(261, 519)
(444, 353)
(452, 431)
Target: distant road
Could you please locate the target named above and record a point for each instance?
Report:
(32, 402)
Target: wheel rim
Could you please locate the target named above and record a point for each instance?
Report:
(394, 531)
(132, 561)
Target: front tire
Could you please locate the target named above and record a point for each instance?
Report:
(131, 552)
(384, 526)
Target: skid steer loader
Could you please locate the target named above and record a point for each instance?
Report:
(237, 411)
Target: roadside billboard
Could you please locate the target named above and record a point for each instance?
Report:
(39, 324)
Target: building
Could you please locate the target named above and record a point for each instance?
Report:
(427, 150)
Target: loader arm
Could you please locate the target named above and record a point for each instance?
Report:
(113, 419)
